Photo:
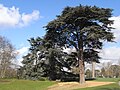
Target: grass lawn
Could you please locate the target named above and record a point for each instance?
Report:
(113, 86)
(108, 79)
(13, 84)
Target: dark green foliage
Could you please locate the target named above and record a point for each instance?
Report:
(32, 62)
(91, 55)
(84, 28)
(68, 77)
(84, 25)
(90, 23)
(43, 60)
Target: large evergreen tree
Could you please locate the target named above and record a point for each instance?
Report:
(43, 60)
(82, 27)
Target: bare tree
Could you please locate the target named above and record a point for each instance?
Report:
(6, 56)
(106, 69)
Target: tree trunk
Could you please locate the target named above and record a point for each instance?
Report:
(81, 65)
(93, 69)
(82, 72)
(81, 61)
(3, 73)
(3, 70)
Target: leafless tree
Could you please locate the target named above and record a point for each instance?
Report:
(106, 69)
(7, 56)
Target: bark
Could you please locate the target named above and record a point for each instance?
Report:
(81, 62)
(93, 69)
(82, 74)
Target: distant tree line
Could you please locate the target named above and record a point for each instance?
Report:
(108, 70)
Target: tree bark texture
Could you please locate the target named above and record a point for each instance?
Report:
(93, 69)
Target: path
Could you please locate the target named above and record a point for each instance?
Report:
(75, 85)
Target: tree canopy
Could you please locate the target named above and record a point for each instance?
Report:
(83, 28)
(44, 61)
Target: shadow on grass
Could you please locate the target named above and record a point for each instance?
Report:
(90, 79)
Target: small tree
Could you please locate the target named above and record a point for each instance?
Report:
(81, 27)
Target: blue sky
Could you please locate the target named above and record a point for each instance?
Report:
(29, 16)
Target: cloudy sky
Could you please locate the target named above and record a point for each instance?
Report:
(23, 19)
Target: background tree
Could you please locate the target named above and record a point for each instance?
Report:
(103, 73)
(115, 71)
(82, 27)
(91, 57)
(43, 60)
(97, 73)
(88, 74)
(106, 67)
(110, 71)
(7, 57)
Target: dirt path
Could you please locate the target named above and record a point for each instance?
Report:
(75, 85)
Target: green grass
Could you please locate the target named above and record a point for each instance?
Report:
(13, 84)
(105, 87)
(108, 79)
(113, 86)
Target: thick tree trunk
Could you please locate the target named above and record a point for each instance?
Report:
(81, 65)
(81, 61)
(82, 72)
(93, 69)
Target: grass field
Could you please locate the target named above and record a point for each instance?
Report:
(113, 86)
(13, 84)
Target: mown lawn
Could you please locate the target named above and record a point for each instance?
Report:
(113, 86)
(13, 84)
(108, 79)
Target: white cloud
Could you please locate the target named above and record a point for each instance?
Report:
(116, 25)
(11, 17)
(26, 18)
(110, 54)
(21, 52)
